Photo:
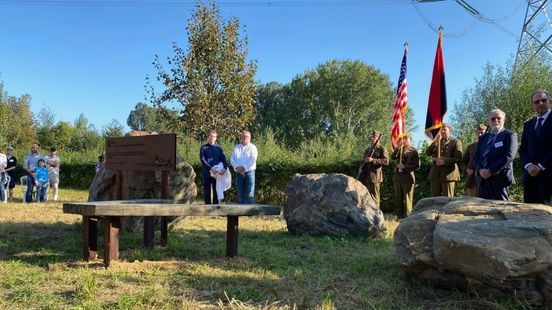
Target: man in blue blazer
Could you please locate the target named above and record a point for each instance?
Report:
(536, 152)
(493, 158)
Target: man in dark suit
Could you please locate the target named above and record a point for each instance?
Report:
(494, 158)
(536, 152)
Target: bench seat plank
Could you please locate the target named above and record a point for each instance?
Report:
(161, 207)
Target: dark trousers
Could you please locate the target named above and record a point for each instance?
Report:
(536, 189)
(210, 188)
(493, 189)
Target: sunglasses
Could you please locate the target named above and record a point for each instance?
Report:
(495, 118)
(543, 100)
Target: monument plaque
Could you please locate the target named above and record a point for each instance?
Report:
(141, 153)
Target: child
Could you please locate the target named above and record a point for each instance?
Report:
(41, 180)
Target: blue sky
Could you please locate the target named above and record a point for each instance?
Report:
(92, 56)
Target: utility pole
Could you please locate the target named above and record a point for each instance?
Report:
(536, 32)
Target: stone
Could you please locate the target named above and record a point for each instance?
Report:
(497, 248)
(331, 204)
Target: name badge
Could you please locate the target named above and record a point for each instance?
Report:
(498, 144)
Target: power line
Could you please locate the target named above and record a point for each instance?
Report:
(235, 3)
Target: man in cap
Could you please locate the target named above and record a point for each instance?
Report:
(369, 171)
(447, 153)
(467, 163)
(408, 161)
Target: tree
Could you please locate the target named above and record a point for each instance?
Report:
(45, 122)
(148, 118)
(113, 129)
(501, 87)
(85, 136)
(212, 81)
(21, 131)
(338, 98)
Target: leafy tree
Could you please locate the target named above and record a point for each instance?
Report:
(63, 131)
(45, 122)
(338, 98)
(504, 88)
(85, 136)
(113, 129)
(148, 118)
(212, 81)
(21, 131)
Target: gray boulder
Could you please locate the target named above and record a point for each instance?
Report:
(331, 204)
(492, 247)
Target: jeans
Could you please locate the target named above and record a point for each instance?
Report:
(30, 187)
(2, 188)
(246, 187)
(42, 191)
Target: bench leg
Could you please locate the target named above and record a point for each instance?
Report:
(111, 239)
(164, 230)
(232, 236)
(149, 231)
(90, 238)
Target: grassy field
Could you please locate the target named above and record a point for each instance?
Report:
(41, 268)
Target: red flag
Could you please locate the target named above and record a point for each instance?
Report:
(398, 130)
(437, 105)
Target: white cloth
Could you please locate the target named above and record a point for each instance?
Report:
(3, 161)
(224, 181)
(244, 156)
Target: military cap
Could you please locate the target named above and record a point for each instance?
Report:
(481, 127)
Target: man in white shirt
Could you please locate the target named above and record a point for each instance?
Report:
(244, 161)
(52, 162)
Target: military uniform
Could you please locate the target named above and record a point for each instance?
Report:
(404, 180)
(370, 173)
(467, 162)
(442, 178)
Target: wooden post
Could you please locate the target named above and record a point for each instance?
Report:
(149, 231)
(111, 239)
(232, 236)
(90, 237)
(164, 195)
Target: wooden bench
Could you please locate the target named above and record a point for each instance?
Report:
(113, 211)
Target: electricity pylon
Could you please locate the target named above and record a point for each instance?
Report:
(536, 32)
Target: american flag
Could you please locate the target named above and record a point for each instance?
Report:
(398, 131)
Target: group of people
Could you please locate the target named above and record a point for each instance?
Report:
(487, 163)
(216, 174)
(42, 173)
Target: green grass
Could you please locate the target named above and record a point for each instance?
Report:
(41, 268)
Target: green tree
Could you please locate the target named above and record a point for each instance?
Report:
(85, 136)
(45, 122)
(148, 118)
(113, 129)
(21, 131)
(338, 98)
(63, 131)
(504, 88)
(212, 81)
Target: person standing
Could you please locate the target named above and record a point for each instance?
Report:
(211, 154)
(536, 151)
(244, 161)
(29, 164)
(447, 153)
(494, 157)
(467, 163)
(408, 161)
(3, 165)
(52, 162)
(370, 173)
(10, 169)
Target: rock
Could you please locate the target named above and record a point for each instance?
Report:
(492, 247)
(331, 204)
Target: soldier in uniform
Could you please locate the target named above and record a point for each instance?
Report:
(467, 163)
(408, 161)
(369, 171)
(447, 153)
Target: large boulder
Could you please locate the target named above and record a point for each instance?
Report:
(331, 204)
(491, 247)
